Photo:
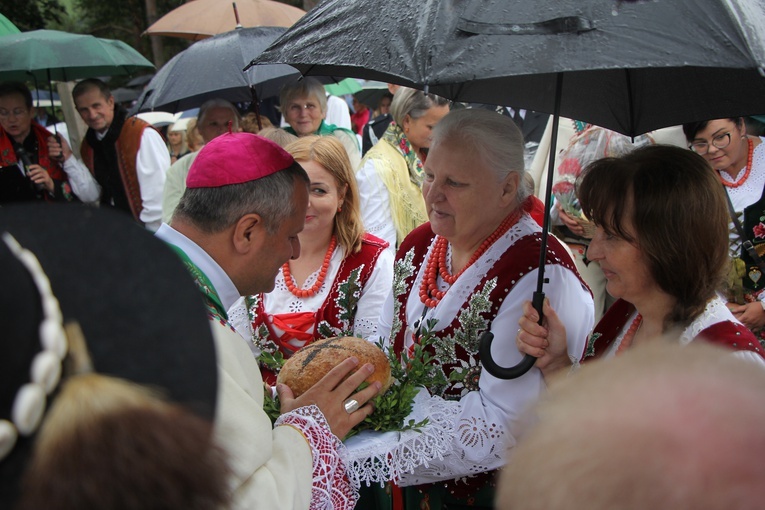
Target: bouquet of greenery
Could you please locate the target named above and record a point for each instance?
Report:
(410, 370)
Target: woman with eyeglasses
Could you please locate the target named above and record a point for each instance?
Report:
(661, 240)
(739, 161)
(304, 107)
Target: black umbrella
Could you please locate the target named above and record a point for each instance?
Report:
(628, 66)
(125, 95)
(212, 68)
(139, 81)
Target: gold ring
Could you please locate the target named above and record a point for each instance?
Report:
(351, 405)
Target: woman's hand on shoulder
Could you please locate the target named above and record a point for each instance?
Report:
(546, 341)
(752, 315)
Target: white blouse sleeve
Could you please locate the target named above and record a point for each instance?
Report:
(152, 162)
(375, 204)
(83, 184)
(373, 297)
(488, 419)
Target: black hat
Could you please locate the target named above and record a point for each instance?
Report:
(140, 313)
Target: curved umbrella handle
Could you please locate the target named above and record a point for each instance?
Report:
(497, 371)
(484, 350)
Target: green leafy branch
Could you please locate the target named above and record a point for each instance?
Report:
(409, 372)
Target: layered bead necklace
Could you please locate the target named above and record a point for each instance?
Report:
(629, 336)
(430, 295)
(746, 173)
(306, 293)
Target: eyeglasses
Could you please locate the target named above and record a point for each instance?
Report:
(17, 112)
(719, 141)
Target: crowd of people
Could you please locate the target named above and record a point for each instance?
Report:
(417, 227)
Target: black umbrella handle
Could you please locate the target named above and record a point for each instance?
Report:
(484, 349)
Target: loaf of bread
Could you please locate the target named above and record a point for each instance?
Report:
(308, 365)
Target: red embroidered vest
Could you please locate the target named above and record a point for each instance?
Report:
(726, 333)
(331, 314)
(519, 259)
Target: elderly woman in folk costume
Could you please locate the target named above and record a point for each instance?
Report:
(390, 176)
(343, 275)
(465, 272)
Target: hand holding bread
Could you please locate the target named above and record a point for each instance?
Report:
(325, 373)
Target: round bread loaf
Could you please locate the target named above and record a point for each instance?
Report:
(308, 365)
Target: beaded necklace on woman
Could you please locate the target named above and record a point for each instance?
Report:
(748, 170)
(289, 281)
(430, 295)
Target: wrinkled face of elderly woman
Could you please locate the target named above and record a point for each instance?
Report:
(465, 199)
(304, 115)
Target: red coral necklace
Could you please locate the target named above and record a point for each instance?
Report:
(629, 336)
(437, 263)
(746, 173)
(305, 293)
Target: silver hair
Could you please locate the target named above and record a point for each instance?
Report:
(305, 87)
(494, 138)
(213, 210)
(414, 103)
(219, 103)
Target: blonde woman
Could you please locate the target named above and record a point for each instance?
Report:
(390, 175)
(176, 142)
(339, 282)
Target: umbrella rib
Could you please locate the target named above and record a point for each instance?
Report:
(631, 105)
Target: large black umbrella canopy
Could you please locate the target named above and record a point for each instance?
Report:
(212, 68)
(627, 66)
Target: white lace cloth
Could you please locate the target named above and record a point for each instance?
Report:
(376, 457)
(331, 488)
(490, 418)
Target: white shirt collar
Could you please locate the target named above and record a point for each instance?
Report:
(224, 287)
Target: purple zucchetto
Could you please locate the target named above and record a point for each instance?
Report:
(235, 158)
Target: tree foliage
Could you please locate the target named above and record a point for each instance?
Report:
(126, 20)
(32, 14)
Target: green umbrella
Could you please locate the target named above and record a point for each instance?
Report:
(346, 86)
(61, 56)
(6, 27)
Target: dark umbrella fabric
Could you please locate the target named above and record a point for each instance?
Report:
(213, 68)
(628, 66)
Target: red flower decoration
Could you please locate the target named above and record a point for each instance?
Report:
(570, 166)
(563, 187)
(759, 231)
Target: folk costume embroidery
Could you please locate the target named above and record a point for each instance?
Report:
(336, 316)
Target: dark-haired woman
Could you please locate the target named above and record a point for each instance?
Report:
(739, 161)
(661, 240)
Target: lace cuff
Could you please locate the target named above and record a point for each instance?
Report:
(331, 488)
(375, 457)
(575, 365)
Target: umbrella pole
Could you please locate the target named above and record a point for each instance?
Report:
(538, 297)
(53, 114)
(255, 107)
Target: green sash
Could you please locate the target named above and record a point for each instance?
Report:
(212, 300)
